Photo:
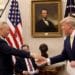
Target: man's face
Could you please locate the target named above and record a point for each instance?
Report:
(26, 48)
(44, 13)
(5, 31)
(66, 27)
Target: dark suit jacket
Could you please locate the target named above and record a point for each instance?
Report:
(21, 65)
(6, 52)
(42, 27)
(68, 53)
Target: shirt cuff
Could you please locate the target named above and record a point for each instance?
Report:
(48, 61)
(31, 72)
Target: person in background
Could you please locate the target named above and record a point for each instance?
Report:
(68, 52)
(45, 25)
(43, 49)
(26, 66)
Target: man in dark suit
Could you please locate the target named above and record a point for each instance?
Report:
(68, 53)
(6, 52)
(45, 25)
(26, 66)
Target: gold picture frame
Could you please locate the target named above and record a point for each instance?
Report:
(54, 10)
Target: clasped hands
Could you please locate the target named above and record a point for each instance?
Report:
(40, 60)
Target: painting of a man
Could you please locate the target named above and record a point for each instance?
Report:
(45, 25)
(45, 18)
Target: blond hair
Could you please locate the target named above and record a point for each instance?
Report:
(69, 19)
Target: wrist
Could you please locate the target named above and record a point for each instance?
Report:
(48, 61)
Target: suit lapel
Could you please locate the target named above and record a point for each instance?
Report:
(73, 42)
(68, 42)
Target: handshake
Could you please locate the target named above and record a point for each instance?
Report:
(40, 60)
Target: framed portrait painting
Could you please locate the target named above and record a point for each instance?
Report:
(46, 15)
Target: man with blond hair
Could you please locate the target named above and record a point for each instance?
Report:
(68, 52)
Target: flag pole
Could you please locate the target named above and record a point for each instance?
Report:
(70, 9)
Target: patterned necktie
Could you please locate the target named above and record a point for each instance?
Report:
(30, 65)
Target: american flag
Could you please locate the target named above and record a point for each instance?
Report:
(70, 8)
(14, 21)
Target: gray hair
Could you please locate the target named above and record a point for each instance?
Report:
(69, 19)
(3, 24)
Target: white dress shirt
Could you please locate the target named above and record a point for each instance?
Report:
(46, 22)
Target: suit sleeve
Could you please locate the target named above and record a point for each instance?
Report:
(18, 65)
(59, 58)
(6, 49)
(33, 61)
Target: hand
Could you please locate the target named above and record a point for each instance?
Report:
(35, 56)
(41, 61)
(72, 63)
(25, 73)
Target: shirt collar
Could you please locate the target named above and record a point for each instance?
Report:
(2, 38)
(44, 19)
(73, 34)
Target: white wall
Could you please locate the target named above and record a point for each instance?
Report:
(55, 44)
